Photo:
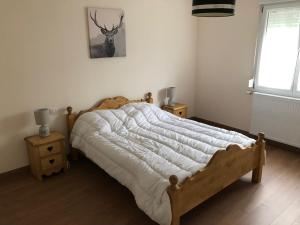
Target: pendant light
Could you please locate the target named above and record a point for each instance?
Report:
(213, 8)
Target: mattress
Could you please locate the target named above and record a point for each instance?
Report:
(141, 146)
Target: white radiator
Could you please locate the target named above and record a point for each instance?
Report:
(277, 117)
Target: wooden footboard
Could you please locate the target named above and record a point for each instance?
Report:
(224, 168)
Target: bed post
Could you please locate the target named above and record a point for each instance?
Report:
(71, 117)
(261, 147)
(173, 195)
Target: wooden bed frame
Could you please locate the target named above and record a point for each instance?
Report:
(224, 168)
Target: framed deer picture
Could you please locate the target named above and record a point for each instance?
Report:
(106, 32)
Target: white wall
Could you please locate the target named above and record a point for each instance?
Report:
(44, 61)
(226, 48)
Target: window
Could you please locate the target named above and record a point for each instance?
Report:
(278, 61)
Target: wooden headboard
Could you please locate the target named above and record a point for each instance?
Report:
(107, 103)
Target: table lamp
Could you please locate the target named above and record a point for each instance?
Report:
(171, 95)
(42, 117)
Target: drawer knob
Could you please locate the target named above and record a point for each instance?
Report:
(50, 148)
(180, 113)
(51, 161)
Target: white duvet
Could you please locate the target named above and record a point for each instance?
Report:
(141, 146)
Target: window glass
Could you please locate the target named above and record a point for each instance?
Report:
(279, 49)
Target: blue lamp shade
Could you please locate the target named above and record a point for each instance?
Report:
(213, 8)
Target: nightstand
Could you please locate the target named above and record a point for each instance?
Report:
(47, 155)
(178, 109)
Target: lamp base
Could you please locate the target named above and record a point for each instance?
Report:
(44, 131)
(172, 102)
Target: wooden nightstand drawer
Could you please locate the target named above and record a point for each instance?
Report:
(50, 149)
(168, 110)
(180, 112)
(177, 109)
(52, 162)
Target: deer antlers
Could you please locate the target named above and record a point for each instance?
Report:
(104, 28)
(95, 20)
(120, 24)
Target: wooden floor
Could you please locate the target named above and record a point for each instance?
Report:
(86, 195)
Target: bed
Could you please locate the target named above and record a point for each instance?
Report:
(170, 164)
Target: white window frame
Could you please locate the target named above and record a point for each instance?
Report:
(286, 93)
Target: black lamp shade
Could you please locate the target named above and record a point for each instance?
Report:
(213, 8)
